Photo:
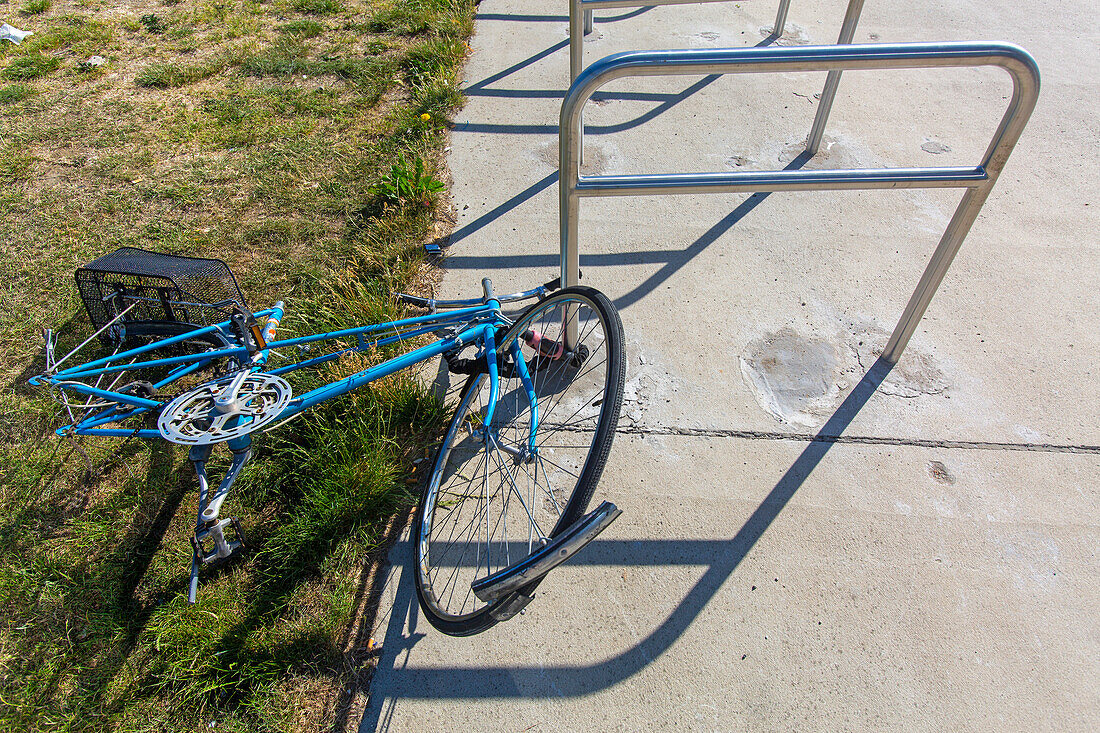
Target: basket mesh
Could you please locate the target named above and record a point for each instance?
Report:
(170, 292)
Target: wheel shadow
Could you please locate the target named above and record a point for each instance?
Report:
(395, 681)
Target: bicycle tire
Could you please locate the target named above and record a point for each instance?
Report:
(458, 522)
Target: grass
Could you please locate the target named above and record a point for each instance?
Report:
(30, 66)
(34, 7)
(162, 75)
(13, 93)
(201, 136)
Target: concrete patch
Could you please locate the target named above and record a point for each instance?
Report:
(793, 35)
(939, 472)
(795, 379)
(935, 147)
(599, 156)
(800, 380)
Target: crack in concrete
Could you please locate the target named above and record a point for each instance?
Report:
(860, 439)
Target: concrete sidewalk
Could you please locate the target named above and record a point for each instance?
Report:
(937, 569)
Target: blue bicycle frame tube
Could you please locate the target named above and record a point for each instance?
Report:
(494, 378)
(439, 319)
(119, 432)
(335, 389)
(128, 399)
(315, 361)
(238, 351)
(529, 386)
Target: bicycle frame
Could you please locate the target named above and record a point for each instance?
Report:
(485, 319)
(476, 323)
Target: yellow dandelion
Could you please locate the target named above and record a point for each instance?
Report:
(425, 117)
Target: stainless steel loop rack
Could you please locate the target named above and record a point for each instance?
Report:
(977, 181)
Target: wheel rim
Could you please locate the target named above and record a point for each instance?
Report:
(488, 505)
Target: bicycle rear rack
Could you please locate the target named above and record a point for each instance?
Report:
(978, 180)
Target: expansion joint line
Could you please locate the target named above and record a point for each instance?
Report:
(860, 440)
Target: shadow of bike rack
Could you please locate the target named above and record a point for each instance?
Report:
(978, 180)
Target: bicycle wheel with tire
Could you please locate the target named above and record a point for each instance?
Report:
(489, 501)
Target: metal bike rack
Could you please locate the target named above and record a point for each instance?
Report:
(978, 180)
(577, 8)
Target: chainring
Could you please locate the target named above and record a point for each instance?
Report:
(193, 418)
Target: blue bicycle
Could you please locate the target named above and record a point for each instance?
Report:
(504, 504)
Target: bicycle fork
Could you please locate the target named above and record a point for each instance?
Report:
(514, 586)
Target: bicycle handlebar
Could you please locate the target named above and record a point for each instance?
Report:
(432, 304)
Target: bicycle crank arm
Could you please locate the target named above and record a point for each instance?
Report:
(536, 565)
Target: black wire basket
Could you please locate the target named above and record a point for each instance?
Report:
(161, 295)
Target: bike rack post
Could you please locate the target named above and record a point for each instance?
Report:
(579, 8)
(978, 180)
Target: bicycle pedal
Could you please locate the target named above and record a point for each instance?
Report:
(221, 547)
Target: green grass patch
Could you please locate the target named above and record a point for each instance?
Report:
(13, 93)
(160, 75)
(319, 7)
(373, 76)
(423, 17)
(31, 66)
(302, 29)
(15, 164)
(80, 33)
(34, 7)
(225, 151)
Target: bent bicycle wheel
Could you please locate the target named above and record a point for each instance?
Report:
(490, 501)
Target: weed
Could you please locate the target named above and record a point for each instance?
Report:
(407, 185)
(31, 66)
(152, 23)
